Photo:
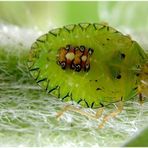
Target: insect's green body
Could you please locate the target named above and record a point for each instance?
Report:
(113, 71)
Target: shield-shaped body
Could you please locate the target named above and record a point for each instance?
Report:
(103, 76)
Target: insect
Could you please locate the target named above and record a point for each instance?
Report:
(91, 64)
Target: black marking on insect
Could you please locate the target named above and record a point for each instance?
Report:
(81, 27)
(30, 65)
(92, 104)
(87, 68)
(78, 67)
(122, 56)
(47, 85)
(98, 88)
(102, 105)
(53, 33)
(66, 29)
(37, 75)
(90, 51)
(107, 39)
(68, 47)
(103, 27)
(53, 89)
(44, 79)
(67, 95)
(85, 27)
(121, 98)
(43, 38)
(137, 74)
(116, 31)
(107, 28)
(34, 46)
(58, 91)
(63, 65)
(135, 88)
(118, 76)
(42, 41)
(70, 30)
(82, 48)
(86, 103)
(34, 69)
(79, 101)
(96, 80)
(71, 98)
(94, 26)
(138, 66)
(36, 55)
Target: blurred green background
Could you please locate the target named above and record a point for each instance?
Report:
(27, 114)
(47, 14)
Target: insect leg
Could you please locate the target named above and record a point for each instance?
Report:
(80, 111)
(59, 114)
(112, 114)
(141, 100)
(99, 112)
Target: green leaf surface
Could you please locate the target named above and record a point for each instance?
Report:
(140, 140)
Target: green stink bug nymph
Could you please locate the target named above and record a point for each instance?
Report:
(91, 64)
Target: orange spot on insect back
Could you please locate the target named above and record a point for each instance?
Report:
(76, 58)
